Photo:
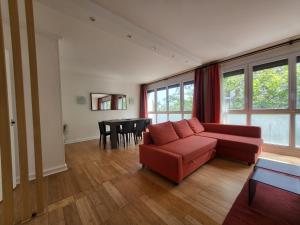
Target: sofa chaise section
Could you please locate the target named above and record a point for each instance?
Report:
(242, 143)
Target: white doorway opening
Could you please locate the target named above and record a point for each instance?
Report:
(12, 124)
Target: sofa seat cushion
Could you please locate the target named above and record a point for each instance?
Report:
(163, 133)
(234, 142)
(191, 147)
(182, 129)
(195, 125)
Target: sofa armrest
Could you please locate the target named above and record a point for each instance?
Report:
(161, 161)
(147, 140)
(246, 131)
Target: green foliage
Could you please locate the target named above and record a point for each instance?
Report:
(188, 97)
(234, 91)
(270, 88)
(174, 99)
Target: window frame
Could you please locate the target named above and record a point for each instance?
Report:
(292, 110)
(167, 112)
(182, 96)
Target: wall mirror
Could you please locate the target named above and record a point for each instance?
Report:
(102, 102)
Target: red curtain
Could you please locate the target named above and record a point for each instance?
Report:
(206, 103)
(99, 103)
(143, 101)
(114, 102)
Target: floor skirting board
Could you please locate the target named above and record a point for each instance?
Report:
(71, 141)
(47, 172)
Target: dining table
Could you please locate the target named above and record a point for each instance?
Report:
(113, 124)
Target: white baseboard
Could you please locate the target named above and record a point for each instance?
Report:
(71, 141)
(47, 172)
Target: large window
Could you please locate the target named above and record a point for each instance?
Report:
(235, 119)
(297, 118)
(188, 95)
(298, 82)
(234, 90)
(174, 98)
(161, 100)
(173, 102)
(275, 127)
(270, 85)
(297, 133)
(271, 102)
(151, 101)
(151, 105)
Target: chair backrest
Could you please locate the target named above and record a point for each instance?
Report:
(128, 127)
(102, 127)
(147, 123)
(140, 126)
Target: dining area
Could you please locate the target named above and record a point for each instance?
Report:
(122, 132)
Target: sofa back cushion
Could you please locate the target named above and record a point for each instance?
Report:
(195, 125)
(183, 129)
(162, 133)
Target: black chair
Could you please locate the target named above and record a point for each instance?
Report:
(103, 133)
(138, 132)
(126, 131)
(147, 123)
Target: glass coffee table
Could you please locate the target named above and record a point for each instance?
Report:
(276, 174)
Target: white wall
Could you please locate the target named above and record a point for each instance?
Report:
(82, 122)
(50, 103)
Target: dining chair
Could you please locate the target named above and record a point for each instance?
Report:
(147, 123)
(126, 131)
(103, 133)
(138, 132)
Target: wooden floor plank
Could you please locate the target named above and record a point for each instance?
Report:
(115, 194)
(104, 186)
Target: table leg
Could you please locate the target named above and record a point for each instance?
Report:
(252, 191)
(114, 136)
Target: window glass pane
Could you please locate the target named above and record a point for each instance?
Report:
(174, 98)
(188, 90)
(298, 82)
(161, 118)
(235, 119)
(187, 116)
(275, 128)
(234, 90)
(161, 100)
(151, 101)
(270, 86)
(175, 117)
(297, 131)
(153, 117)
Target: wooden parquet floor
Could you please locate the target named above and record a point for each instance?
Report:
(110, 187)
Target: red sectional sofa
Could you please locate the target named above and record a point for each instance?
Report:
(176, 149)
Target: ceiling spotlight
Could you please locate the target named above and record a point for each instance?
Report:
(92, 18)
(129, 35)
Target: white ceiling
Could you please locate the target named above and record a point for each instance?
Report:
(167, 36)
(212, 29)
